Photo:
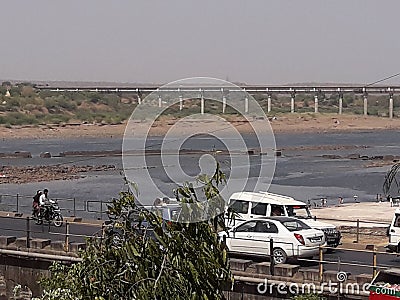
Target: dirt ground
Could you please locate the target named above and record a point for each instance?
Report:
(288, 123)
(366, 236)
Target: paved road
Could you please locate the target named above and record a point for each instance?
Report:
(346, 257)
(17, 227)
(341, 260)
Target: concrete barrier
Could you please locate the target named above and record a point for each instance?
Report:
(76, 247)
(286, 270)
(263, 268)
(17, 154)
(239, 264)
(6, 240)
(39, 243)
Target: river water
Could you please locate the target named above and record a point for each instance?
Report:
(302, 173)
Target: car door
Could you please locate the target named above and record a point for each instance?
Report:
(242, 238)
(263, 233)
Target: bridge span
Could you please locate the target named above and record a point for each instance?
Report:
(317, 91)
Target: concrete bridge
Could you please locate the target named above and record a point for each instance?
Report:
(317, 91)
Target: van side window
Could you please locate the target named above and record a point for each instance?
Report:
(277, 210)
(239, 206)
(259, 208)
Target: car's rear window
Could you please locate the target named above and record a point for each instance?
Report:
(295, 225)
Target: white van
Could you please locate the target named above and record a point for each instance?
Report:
(394, 233)
(248, 205)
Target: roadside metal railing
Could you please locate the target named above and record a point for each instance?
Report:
(19, 203)
(23, 227)
(356, 225)
(320, 259)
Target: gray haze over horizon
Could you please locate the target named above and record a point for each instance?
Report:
(254, 42)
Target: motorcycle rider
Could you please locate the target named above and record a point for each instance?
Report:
(44, 203)
(35, 203)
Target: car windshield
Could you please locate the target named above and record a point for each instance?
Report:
(295, 225)
(299, 211)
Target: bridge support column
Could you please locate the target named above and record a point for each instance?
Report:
(365, 105)
(391, 106)
(223, 104)
(316, 104)
(340, 102)
(246, 102)
(139, 96)
(292, 105)
(159, 101)
(180, 102)
(269, 103)
(202, 104)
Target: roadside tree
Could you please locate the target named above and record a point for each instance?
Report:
(178, 261)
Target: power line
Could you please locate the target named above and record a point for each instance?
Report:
(380, 80)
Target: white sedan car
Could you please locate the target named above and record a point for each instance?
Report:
(291, 238)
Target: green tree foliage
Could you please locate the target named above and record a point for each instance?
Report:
(181, 260)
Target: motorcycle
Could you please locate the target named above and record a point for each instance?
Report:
(50, 213)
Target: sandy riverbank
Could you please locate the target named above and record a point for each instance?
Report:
(287, 123)
(364, 211)
(374, 219)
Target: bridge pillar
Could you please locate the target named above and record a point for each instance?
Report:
(365, 102)
(223, 100)
(202, 102)
(159, 101)
(316, 103)
(269, 103)
(180, 102)
(139, 96)
(292, 105)
(390, 105)
(340, 101)
(246, 102)
(365, 105)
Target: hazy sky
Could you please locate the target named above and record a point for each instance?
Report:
(266, 42)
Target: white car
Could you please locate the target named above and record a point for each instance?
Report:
(249, 205)
(292, 238)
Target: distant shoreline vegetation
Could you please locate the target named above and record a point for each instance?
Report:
(23, 104)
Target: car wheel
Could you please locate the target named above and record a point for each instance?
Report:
(280, 256)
